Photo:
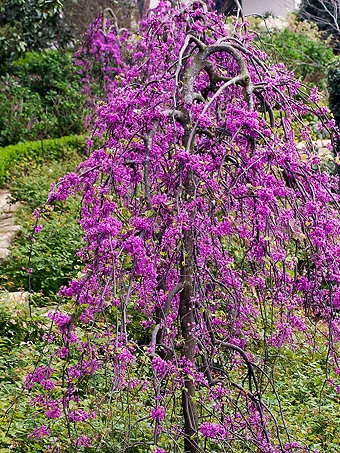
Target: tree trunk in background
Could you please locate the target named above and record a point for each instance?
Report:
(143, 7)
(79, 14)
(226, 7)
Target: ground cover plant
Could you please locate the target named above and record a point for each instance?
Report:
(206, 225)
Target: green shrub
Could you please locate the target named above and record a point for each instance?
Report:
(53, 257)
(22, 116)
(307, 57)
(297, 44)
(41, 97)
(54, 149)
(31, 25)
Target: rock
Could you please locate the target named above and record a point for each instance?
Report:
(5, 205)
(321, 147)
(7, 223)
(15, 297)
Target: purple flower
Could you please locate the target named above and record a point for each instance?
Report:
(158, 413)
(79, 415)
(83, 441)
(213, 430)
(40, 432)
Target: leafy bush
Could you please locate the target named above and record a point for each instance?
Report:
(308, 58)
(54, 149)
(53, 259)
(300, 47)
(41, 98)
(31, 25)
(21, 114)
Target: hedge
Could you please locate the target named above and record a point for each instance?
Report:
(40, 151)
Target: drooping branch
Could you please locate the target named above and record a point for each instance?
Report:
(148, 144)
(201, 61)
(108, 13)
(157, 333)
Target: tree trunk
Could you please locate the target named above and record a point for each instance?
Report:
(186, 311)
(188, 351)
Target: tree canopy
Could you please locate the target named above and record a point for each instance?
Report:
(210, 239)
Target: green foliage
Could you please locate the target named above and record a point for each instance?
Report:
(334, 90)
(22, 116)
(11, 44)
(31, 25)
(53, 257)
(304, 53)
(54, 149)
(309, 400)
(42, 72)
(21, 345)
(41, 98)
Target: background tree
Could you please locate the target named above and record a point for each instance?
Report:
(31, 25)
(326, 14)
(228, 6)
(81, 13)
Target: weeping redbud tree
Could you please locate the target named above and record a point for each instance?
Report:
(209, 240)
